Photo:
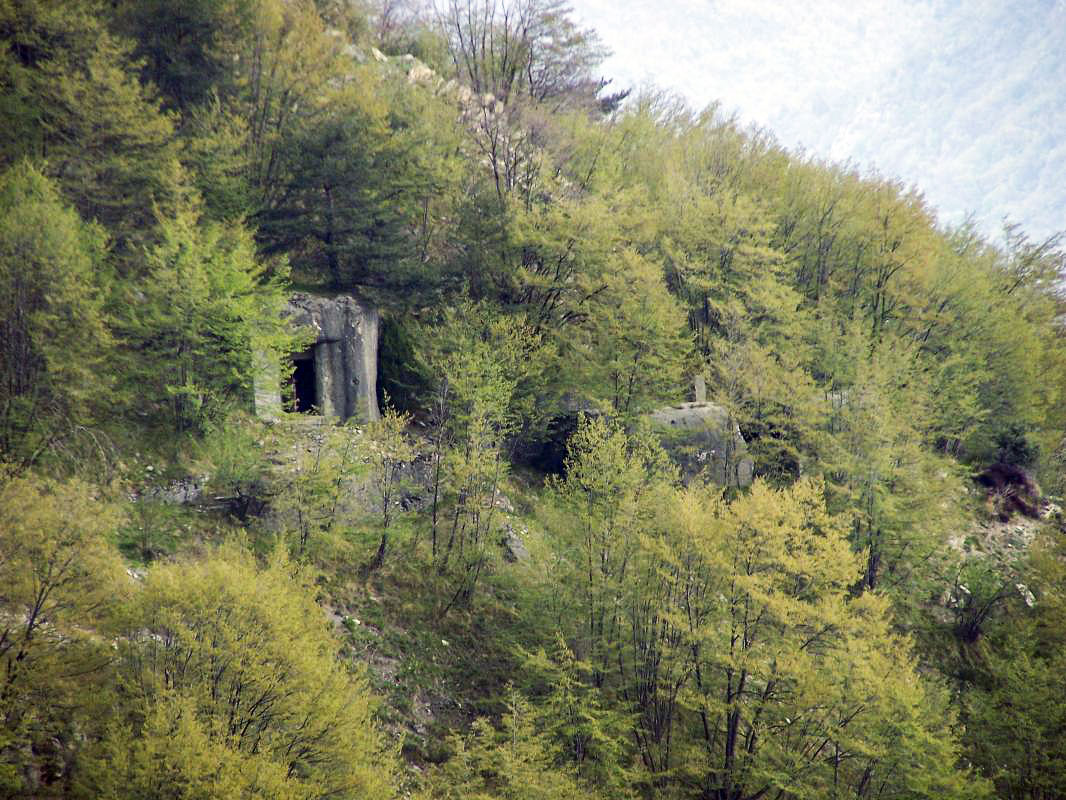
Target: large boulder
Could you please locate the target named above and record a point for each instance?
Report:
(701, 438)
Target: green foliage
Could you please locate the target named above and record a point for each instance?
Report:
(799, 687)
(231, 453)
(61, 583)
(151, 531)
(634, 356)
(399, 376)
(283, 70)
(1013, 447)
(591, 736)
(355, 201)
(514, 762)
(538, 249)
(1010, 675)
(1014, 716)
(328, 210)
(389, 450)
(609, 494)
(192, 332)
(232, 689)
(880, 468)
(489, 368)
(215, 155)
(311, 496)
(188, 49)
(488, 371)
(72, 90)
(54, 335)
(732, 630)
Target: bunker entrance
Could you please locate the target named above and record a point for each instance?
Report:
(304, 398)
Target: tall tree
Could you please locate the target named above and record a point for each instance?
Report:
(72, 90)
(800, 689)
(352, 198)
(62, 582)
(515, 49)
(488, 370)
(516, 761)
(54, 336)
(191, 334)
(631, 348)
(189, 50)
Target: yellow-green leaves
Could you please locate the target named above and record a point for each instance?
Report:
(389, 450)
(514, 762)
(53, 333)
(733, 632)
(486, 370)
(80, 109)
(235, 690)
(796, 685)
(192, 331)
(633, 347)
(60, 582)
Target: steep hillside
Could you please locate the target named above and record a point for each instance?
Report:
(689, 466)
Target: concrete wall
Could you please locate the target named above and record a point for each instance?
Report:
(345, 351)
(701, 437)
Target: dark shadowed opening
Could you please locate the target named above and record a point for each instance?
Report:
(304, 397)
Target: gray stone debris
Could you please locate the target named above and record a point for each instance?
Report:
(182, 491)
(503, 503)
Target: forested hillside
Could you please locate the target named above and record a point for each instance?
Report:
(199, 603)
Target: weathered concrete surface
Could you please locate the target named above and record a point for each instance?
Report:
(701, 438)
(267, 388)
(345, 352)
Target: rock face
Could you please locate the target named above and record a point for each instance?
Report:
(337, 375)
(700, 437)
(514, 549)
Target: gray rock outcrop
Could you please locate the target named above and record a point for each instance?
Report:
(514, 549)
(700, 437)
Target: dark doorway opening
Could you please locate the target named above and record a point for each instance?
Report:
(304, 397)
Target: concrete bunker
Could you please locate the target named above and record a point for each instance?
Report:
(301, 394)
(337, 375)
(702, 437)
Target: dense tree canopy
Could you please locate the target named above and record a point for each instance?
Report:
(53, 324)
